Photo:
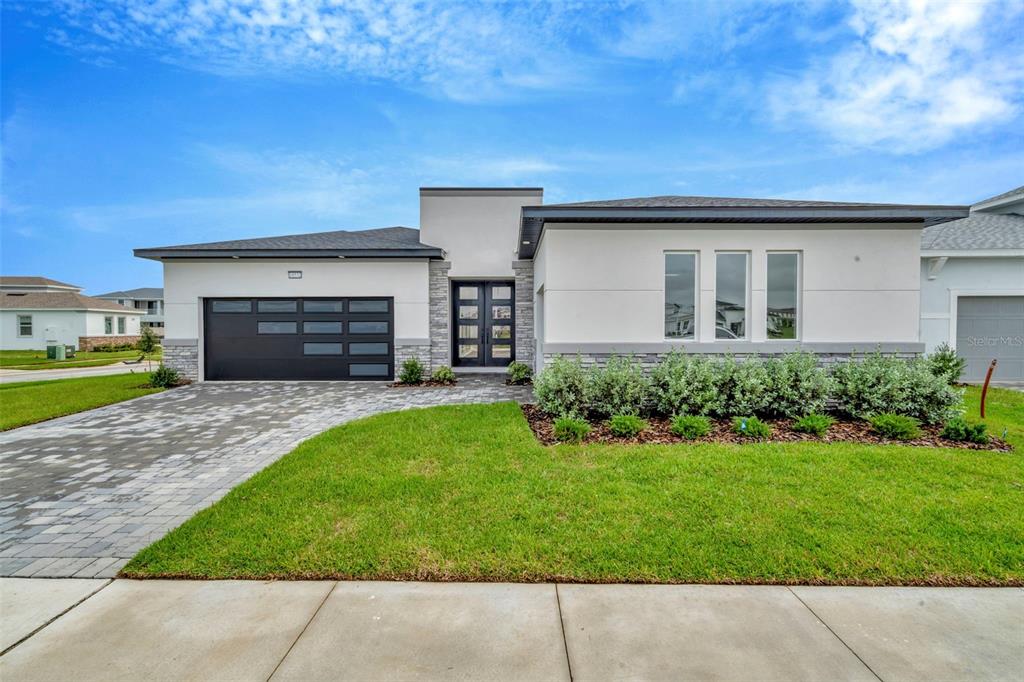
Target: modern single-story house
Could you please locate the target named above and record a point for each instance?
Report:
(37, 310)
(494, 275)
(972, 287)
(150, 300)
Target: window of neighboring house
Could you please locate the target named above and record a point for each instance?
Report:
(120, 325)
(108, 325)
(731, 295)
(783, 295)
(680, 295)
(24, 325)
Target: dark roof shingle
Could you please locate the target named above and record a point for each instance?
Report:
(140, 293)
(674, 201)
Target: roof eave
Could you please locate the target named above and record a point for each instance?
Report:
(533, 217)
(173, 254)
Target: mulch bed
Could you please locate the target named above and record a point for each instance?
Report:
(658, 431)
(426, 383)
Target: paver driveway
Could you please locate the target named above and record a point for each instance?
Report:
(82, 494)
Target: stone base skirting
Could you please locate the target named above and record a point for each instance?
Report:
(406, 349)
(182, 355)
(90, 342)
(649, 355)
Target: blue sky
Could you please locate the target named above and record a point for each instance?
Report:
(129, 124)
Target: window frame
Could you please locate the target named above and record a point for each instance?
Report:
(31, 326)
(746, 295)
(122, 325)
(799, 307)
(696, 293)
(108, 325)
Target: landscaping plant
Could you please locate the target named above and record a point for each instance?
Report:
(626, 425)
(751, 427)
(561, 388)
(571, 429)
(519, 373)
(412, 372)
(797, 385)
(896, 426)
(960, 429)
(880, 385)
(946, 364)
(164, 377)
(619, 387)
(443, 375)
(814, 423)
(685, 384)
(691, 426)
(744, 387)
(148, 342)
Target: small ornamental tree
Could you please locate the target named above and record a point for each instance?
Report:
(147, 342)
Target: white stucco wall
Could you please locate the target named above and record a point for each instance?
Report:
(963, 277)
(64, 326)
(478, 229)
(607, 284)
(187, 282)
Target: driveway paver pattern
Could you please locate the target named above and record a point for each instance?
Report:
(82, 494)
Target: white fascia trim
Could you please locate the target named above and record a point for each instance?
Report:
(973, 253)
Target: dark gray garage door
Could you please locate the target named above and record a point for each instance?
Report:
(299, 338)
(987, 328)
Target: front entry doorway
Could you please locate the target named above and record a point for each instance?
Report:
(484, 330)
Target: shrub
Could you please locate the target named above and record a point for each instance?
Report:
(412, 372)
(620, 387)
(164, 377)
(897, 426)
(561, 388)
(744, 387)
(685, 384)
(751, 427)
(443, 375)
(946, 364)
(960, 429)
(148, 342)
(626, 425)
(797, 385)
(814, 423)
(519, 373)
(879, 385)
(691, 426)
(571, 429)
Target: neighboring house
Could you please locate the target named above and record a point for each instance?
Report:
(150, 300)
(37, 310)
(972, 287)
(493, 275)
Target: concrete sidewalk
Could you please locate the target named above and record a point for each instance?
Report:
(123, 629)
(17, 376)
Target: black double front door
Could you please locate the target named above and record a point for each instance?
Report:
(484, 331)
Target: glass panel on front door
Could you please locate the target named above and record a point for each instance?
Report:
(484, 323)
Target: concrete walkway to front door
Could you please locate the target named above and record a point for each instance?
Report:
(82, 494)
(235, 630)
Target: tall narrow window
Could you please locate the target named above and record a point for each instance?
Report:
(783, 295)
(680, 295)
(24, 325)
(108, 325)
(120, 325)
(731, 296)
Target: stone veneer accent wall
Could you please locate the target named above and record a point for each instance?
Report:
(182, 355)
(420, 351)
(440, 314)
(648, 360)
(90, 342)
(525, 345)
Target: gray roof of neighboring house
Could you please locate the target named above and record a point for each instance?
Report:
(387, 242)
(985, 229)
(142, 293)
(10, 280)
(674, 201)
(58, 300)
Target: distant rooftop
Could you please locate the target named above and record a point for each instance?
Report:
(16, 280)
(58, 300)
(144, 293)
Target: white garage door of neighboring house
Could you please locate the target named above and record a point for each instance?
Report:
(987, 328)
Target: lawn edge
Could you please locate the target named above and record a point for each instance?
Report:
(72, 414)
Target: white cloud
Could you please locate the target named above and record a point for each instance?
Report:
(465, 51)
(919, 74)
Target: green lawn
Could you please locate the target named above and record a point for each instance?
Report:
(466, 493)
(36, 359)
(35, 401)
